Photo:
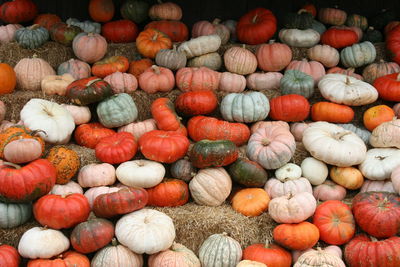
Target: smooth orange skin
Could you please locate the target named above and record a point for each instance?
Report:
(377, 115)
(8, 79)
(296, 236)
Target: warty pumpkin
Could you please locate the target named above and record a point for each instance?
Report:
(66, 161)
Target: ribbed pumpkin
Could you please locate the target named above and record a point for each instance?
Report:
(150, 41)
(89, 47)
(163, 111)
(67, 258)
(120, 31)
(210, 60)
(8, 79)
(101, 10)
(89, 134)
(47, 20)
(116, 254)
(169, 193)
(171, 58)
(220, 250)
(240, 60)
(297, 82)
(278, 188)
(200, 46)
(122, 82)
(87, 91)
(298, 236)
(176, 30)
(135, 10)
(327, 55)
(13, 215)
(87, 25)
(355, 20)
(156, 79)
(347, 72)
(333, 16)
(31, 80)
(167, 10)
(110, 65)
(66, 161)
(197, 79)
(7, 32)
(290, 108)
(9, 256)
(232, 82)
(196, 103)
(269, 254)
(139, 128)
(117, 110)
(264, 81)
(339, 38)
(313, 68)
(32, 37)
(116, 148)
(77, 68)
(376, 70)
(177, 255)
(250, 201)
(139, 65)
(206, 153)
(204, 27)
(358, 55)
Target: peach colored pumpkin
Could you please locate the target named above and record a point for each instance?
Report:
(23, 150)
(31, 71)
(298, 128)
(197, 79)
(271, 147)
(334, 250)
(378, 186)
(333, 16)
(386, 134)
(329, 191)
(56, 84)
(396, 109)
(139, 128)
(122, 82)
(264, 81)
(348, 177)
(232, 82)
(265, 124)
(157, 79)
(292, 208)
(3, 110)
(81, 114)
(276, 188)
(248, 263)
(94, 174)
(204, 27)
(325, 54)
(376, 70)
(240, 60)
(4, 125)
(7, 32)
(176, 256)
(89, 47)
(66, 189)
(395, 178)
(312, 68)
(273, 56)
(348, 72)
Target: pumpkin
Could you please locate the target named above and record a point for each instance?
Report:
(211, 60)
(156, 79)
(176, 255)
(358, 55)
(140, 173)
(207, 153)
(137, 67)
(13, 215)
(299, 38)
(59, 212)
(117, 110)
(139, 128)
(245, 107)
(169, 193)
(331, 112)
(220, 250)
(377, 186)
(232, 82)
(122, 82)
(390, 26)
(372, 35)
(348, 72)
(363, 250)
(355, 20)
(55, 122)
(176, 30)
(291, 107)
(64, 33)
(171, 58)
(319, 257)
(248, 263)
(215, 195)
(120, 31)
(297, 82)
(239, 60)
(89, 47)
(22, 150)
(394, 177)
(298, 236)
(163, 111)
(110, 65)
(26, 79)
(117, 148)
(200, 46)
(265, 124)
(87, 91)
(297, 130)
(348, 177)
(56, 85)
(89, 134)
(7, 32)
(250, 201)
(392, 44)
(379, 163)
(248, 173)
(313, 68)
(92, 193)
(183, 169)
(278, 188)
(329, 191)
(273, 56)
(204, 27)
(197, 79)
(65, 189)
(256, 26)
(18, 11)
(264, 81)
(116, 254)
(314, 170)
(301, 20)
(69, 257)
(77, 68)
(271, 147)
(124, 201)
(196, 103)
(339, 37)
(9, 256)
(388, 86)
(325, 54)
(363, 133)
(167, 11)
(150, 41)
(66, 161)
(40, 237)
(31, 37)
(94, 174)
(87, 25)
(47, 20)
(377, 213)
(101, 10)
(376, 115)
(376, 70)
(8, 79)
(269, 254)
(135, 10)
(231, 25)
(333, 16)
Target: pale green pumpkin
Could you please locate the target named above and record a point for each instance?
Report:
(117, 110)
(297, 82)
(358, 55)
(32, 37)
(220, 250)
(245, 107)
(13, 215)
(363, 133)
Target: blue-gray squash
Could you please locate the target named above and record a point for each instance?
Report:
(32, 37)
(297, 82)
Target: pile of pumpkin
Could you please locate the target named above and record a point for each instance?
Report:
(206, 170)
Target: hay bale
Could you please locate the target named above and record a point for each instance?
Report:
(194, 223)
(128, 50)
(13, 235)
(300, 153)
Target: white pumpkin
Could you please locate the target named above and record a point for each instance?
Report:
(276, 188)
(334, 145)
(299, 38)
(94, 192)
(386, 134)
(379, 163)
(378, 186)
(96, 174)
(327, 55)
(248, 263)
(264, 81)
(81, 114)
(116, 255)
(65, 189)
(289, 171)
(145, 231)
(56, 84)
(347, 90)
(314, 170)
(42, 243)
(319, 257)
(55, 121)
(200, 45)
(140, 173)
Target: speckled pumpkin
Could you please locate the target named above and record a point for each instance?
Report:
(66, 161)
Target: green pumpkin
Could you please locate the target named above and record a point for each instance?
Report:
(382, 19)
(318, 26)
(248, 173)
(135, 10)
(301, 20)
(359, 21)
(358, 55)
(207, 153)
(13, 215)
(372, 35)
(245, 107)
(86, 26)
(117, 110)
(297, 82)
(32, 37)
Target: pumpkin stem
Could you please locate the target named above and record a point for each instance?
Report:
(348, 80)
(34, 27)
(16, 166)
(398, 77)
(339, 135)
(272, 41)
(216, 21)
(155, 36)
(114, 242)
(371, 29)
(267, 243)
(254, 20)
(380, 157)
(265, 141)
(373, 239)
(156, 69)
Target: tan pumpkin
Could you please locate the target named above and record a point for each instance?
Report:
(325, 54)
(266, 124)
(376, 70)
(333, 16)
(231, 82)
(248, 263)
(116, 255)
(329, 191)
(176, 255)
(240, 60)
(89, 47)
(94, 174)
(7, 32)
(122, 82)
(312, 68)
(56, 84)
(171, 58)
(31, 71)
(139, 128)
(66, 189)
(264, 81)
(276, 188)
(386, 134)
(201, 45)
(157, 79)
(378, 186)
(348, 177)
(211, 60)
(3, 110)
(81, 114)
(165, 11)
(273, 56)
(23, 150)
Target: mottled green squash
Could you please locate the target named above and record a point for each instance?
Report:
(207, 153)
(301, 20)
(297, 82)
(248, 173)
(358, 55)
(32, 37)
(135, 10)
(117, 110)
(356, 20)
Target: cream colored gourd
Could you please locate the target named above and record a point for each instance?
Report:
(248, 263)
(145, 231)
(378, 186)
(56, 84)
(140, 173)
(289, 171)
(299, 38)
(80, 114)
(379, 163)
(94, 174)
(66, 189)
(347, 90)
(386, 134)
(211, 186)
(319, 257)
(139, 128)
(276, 188)
(176, 256)
(220, 250)
(211, 60)
(55, 121)
(327, 55)
(395, 178)
(264, 81)
(329, 191)
(200, 45)
(94, 192)
(314, 170)
(122, 82)
(232, 82)
(116, 255)
(334, 145)
(31, 71)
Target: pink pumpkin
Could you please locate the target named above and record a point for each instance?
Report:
(157, 79)
(93, 174)
(329, 191)
(232, 82)
(348, 72)
(204, 27)
(396, 109)
(379, 186)
(197, 79)
(264, 81)
(7, 32)
(266, 124)
(312, 68)
(297, 130)
(94, 192)
(89, 47)
(122, 82)
(139, 128)
(273, 56)
(81, 114)
(3, 110)
(23, 150)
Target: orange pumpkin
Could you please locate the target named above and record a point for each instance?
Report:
(157, 79)
(296, 236)
(273, 56)
(69, 258)
(165, 11)
(150, 41)
(101, 10)
(8, 79)
(331, 112)
(250, 201)
(66, 161)
(348, 177)
(137, 67)
(197, 79)
(110, 65)
(163, 111)
(377, 115)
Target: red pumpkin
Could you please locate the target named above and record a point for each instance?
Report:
(9, 256)
(47, 20)
(393, 44)
(101, 10)
(163, 111)
(202, 127)
(388, 87)
(163, 146)
(120, 31)
(331, 112)
(296, 236)
(256, 27)
(377, 213)
(110, 65)
(69, 258)
(116, 148)
(26, 183)
(310, 8)
(170, 193)
(88, 90)
(125, 200)
(390, 26)
(269, 254)
(59, 212)
(339, 37)
(18, 11)
(289, 108)
(176, 30)
(196, 103)
(89, 134)
(335, 222)
(363, 251)
(92, 235)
